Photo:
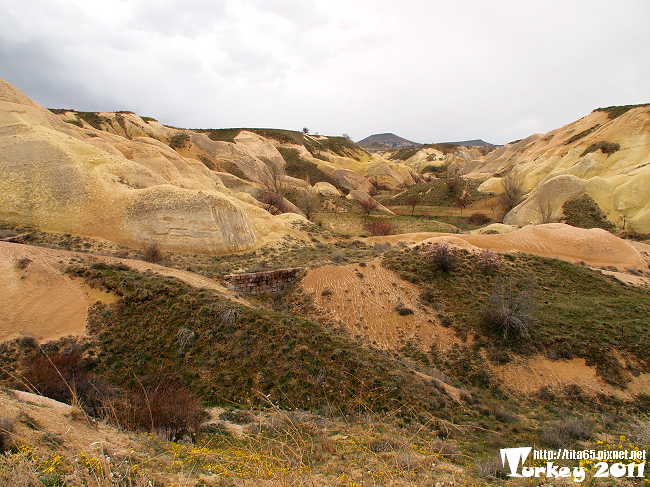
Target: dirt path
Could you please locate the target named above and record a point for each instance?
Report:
(365, 298)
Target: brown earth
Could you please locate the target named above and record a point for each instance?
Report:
(528, 376)
(595, 247)
(41, 300)
(364, 299)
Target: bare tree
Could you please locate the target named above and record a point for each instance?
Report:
(543, 202)
(309, 203)
(273, 178)
(463, 200)
(512, 190)
(412, 201)
(367, 206)
(452, 183)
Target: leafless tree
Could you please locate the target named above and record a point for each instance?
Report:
(512, 190)
(367, 206)
(308, 202)
(273, 178)
(543, 202)
(463, 200)
(412, 201)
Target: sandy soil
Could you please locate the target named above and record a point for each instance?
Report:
(62, 421)
(42, 301)
(364, 300)
(595, 247)
(529, 375)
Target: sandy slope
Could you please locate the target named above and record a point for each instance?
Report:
(558, 166)
(44, 302)
(595, 247)
(528, 376)
(364, 300)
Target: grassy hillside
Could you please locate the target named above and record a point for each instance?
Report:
(229, 353)
(579, 312)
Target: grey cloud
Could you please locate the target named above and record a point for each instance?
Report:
(191, 19)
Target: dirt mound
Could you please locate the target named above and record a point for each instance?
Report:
(41, 300)
(528, 376)
(595, 247)
(376, 305)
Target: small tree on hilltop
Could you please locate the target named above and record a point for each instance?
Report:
(305, 130)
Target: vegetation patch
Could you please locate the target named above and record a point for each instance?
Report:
(582, 134)
(606, 147)
(178, 141)
(565, 309)
(584, 212)
(437, 192)
(93, 119)
(616, 111)
(300, 168)
(408, 152)
(256, 357)
(221, 135)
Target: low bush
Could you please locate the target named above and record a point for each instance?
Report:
(6, 428)
(274, 203)
(403, 310)
(379, 227)
(178, 141)
(152, 253)
(443, 255)
(562, 434)
(511, 309)
(489, 262)
(479, 219)
(605, 147)
(65, 377)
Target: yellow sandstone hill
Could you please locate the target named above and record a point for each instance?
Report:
(605, 155)
(121, 182)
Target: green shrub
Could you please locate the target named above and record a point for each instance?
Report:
(582, 134)
(584, 212)
(606, 147)
(178, 141)
(616, 111)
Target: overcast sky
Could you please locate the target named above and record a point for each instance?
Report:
(430, 71)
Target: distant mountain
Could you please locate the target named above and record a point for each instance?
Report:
(389, 141)
(471, 143)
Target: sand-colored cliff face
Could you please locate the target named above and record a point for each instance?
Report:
(558, 166)
(126, 187)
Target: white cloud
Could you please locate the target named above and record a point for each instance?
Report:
(426, 70)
